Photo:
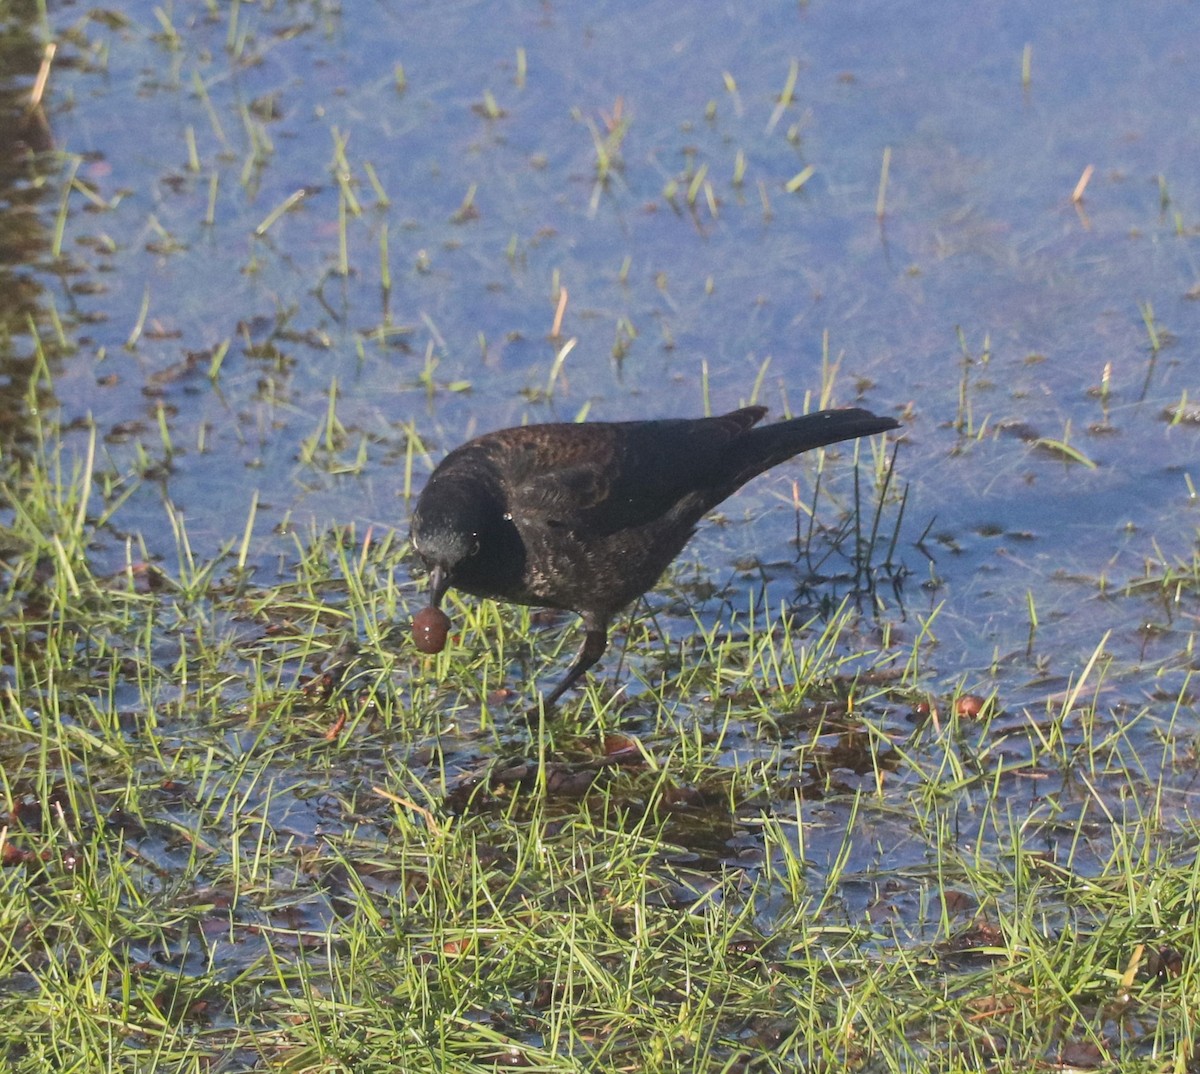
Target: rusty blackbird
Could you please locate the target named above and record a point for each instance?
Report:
(586, 517)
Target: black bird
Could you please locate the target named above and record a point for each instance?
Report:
(586, 517)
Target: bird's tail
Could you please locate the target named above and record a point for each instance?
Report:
(767, 445)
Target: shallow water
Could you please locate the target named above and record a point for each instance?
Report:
(985, 308)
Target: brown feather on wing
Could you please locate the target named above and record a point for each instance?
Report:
(643, 476)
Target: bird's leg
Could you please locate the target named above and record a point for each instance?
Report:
(595, 641)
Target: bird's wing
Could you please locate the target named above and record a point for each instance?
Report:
(605, 477)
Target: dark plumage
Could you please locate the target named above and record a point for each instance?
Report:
(586, 517)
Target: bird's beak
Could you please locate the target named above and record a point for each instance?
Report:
(439, 582)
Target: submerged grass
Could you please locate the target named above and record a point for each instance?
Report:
(245, 826)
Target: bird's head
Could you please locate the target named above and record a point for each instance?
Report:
(455, 531)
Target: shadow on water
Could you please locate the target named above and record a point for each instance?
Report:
(27, 187)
